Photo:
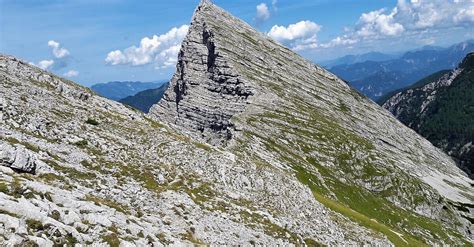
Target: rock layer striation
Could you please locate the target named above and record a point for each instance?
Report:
(205, 91)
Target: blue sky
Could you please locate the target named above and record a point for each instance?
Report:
(75, 38)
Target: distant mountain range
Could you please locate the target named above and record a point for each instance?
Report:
(377, 78)
(118, 90)
(420, 83)
(145, 99)
(352, 59)
(441, 108)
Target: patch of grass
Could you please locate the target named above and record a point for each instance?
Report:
(29, 243)
(55, 215)
(202, 193)
(81, 144)
(189, 235)
(70, 240)
(379, 214)
(12, 140)
(109, 203)
(63, 115)
(4, 188)
(9, 213)
(27, 145)
(312, 243)
(16, 188)
(147, 178)
(50, 177)
(92, 121)
(255, 219)
(31, 147)
(34, 225)
(154, 123)
(162, 237)
(112, 240)
(343, 107)
(397, 239)
(71, 172)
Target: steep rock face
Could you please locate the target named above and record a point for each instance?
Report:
(441, 111)
(304, 120)
(205, 92)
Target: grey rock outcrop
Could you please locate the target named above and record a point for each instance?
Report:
(205, 92)
(21, 159)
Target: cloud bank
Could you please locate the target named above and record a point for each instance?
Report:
(44, 64)
(162, 50)
(298, 36)
(58, 51)
(263, 13)
(59, 61)
(71, 73)
(408, 17)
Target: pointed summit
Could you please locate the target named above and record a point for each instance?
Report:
(205, 2)
(236, 88)
(206, 91)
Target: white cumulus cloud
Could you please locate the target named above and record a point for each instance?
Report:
(44, 64)
(408, 17)
(338, 41)
(263, 13)
(378, 23)
(162, 50)
(58, 51)
(298, 36)
(71, 73)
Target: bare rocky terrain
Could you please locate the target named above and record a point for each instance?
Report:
(251, 145)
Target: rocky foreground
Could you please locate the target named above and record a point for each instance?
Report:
(251, 145)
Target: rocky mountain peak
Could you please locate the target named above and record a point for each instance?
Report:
(301, 158)
(205, 2)
(205, 91)
(236, 88)
(216, 78)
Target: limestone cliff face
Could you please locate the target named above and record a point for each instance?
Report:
(205, 91)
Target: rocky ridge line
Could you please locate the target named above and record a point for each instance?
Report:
(300, 116)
